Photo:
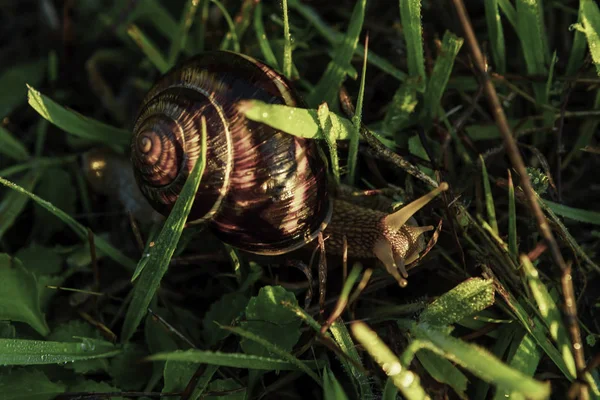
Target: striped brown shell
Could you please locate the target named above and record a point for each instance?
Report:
(262, 190)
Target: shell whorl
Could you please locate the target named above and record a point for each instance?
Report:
(263, 191)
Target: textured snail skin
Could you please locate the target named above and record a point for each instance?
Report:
(263, 191)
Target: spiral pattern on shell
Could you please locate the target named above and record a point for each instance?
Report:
(262, 190)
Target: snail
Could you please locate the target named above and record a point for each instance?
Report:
(262, 191)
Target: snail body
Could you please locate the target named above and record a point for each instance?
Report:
(263, 191)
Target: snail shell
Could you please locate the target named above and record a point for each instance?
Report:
(262, 190)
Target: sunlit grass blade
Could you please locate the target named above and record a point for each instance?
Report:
(159, 256)
(482, 363)
(467, 298)
(32, 352)
(232, 32)
(301, 365)
(410, 16)
(357, 121)
(148, 48)
(496, 33)
(513, 247)
(79, 229)
(11, 146)
(332, 390)
(489, 198)
(329, 85)
(525, 359)
(261, 37)
(442, 69)
(576, 214)
(13, 203)
(590, 21)
(179, 41)
(234, 360)
(405, 380)
(400, 109)
(330, 132)
(13, 82)
(75, 123)
(549, 312)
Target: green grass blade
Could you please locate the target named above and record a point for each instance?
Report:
(261, 37)
(549, 312)
(400, 109)
(590, 20)
(234, 360)
(75, 123)
(405, 380)
(357, 121)
(79, 229)
(301, 365)
(526, 360)
(482, 363)
(496, 33)
(33, 382)
(442, 69)
(489, 198)
(287, 42)
(410, 16)
(159, 256)
(13, 82)
(36, 352)
(11, 146)
(330, 133)
(513, 246)
(443, 371)
(179, 41)
(231, 25)
(332, 390)
(467, 298)
(329, 85)
(532, 36)
(576, 214)
(13, 204)
(509, 11)
(148, 48)
(578, 48)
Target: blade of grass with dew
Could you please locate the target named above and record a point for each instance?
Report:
(357, 121)
(287, 42)
(576, 214)
(532, 36)
(148, 48)
(590, 21)
(329, 85)
(481, 363)
(509, 11)
(37, 352)
(261, 37)
(330, 133)
(181, 35)
(405, 380)
(410, 16)
(79, 229)
(11, 146)
(159, 256)
(13, 81)
(234, 360)
(232, 32)
(578, 48)
(513, 246)
(496, 33)
(465, 299)
(75, 123)
(549, 312)
(489, 198)
(442, 69)
(13, 204)
(301, 365)
(332, 390)
(443, 371)
(525, 359)
(335, 38)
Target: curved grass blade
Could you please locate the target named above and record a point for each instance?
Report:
(576, 214)
(155, 265)
(261, 37)
(232, 32)
(11, 147)
(13, 204)
(148, 48)
(332, 390)
(181, 35)
(32, 352)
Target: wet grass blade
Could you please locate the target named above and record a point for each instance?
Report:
(36, 352)
(159, 256)
(75, 123)
(329, 85)
(148, 48)
(590, 21)
(494, 27)
(578, 48)
(410, 16)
